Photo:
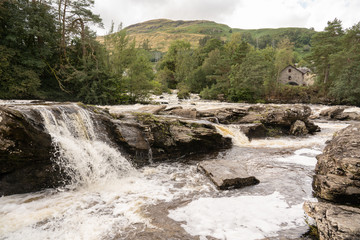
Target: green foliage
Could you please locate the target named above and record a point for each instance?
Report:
(48, 51)
(26, 43)
(184, 91)
(178, 61)
(247, 79)
(138, 77)
(324, 44)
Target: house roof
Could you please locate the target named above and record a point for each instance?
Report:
(304, 69)
(298, 69)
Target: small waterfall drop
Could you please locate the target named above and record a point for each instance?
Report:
(80, 152)
(234, 132)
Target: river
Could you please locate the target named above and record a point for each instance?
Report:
(110, 199)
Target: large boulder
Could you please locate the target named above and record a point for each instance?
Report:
(335, 222)
(338, 168)
(332, 112)
(282, 119)
(340, 113)
(226, 174)
(25, 154)
(298, 128)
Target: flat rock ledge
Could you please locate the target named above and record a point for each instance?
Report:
(226, 174)
(335, 222)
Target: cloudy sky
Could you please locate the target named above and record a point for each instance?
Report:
(246, 14)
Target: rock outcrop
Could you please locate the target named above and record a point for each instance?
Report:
(338, 168)
(226, 174)
(337, 180)
(166, 138)
(335, 222)
(25, 155)
(339, 113)
(26, 150)
(276, 119)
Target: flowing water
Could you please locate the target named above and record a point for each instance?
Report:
(109, 199)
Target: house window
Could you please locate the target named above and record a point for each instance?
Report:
(289, 70)
(289, 77)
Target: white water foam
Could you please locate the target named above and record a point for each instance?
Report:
(97, 211)
(304, 156)
(237, 218)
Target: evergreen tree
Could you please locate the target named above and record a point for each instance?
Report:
(324, 44)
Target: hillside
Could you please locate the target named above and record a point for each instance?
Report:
(161, 32)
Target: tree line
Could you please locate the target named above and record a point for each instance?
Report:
(48, 51)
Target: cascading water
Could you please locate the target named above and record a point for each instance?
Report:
(80, 153)
(234, 132)
(108, 199)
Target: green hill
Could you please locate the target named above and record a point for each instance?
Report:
(161, 32)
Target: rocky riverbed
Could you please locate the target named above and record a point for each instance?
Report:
(130, 172)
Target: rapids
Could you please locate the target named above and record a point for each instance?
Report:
(109, 199)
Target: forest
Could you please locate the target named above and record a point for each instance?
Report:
(49, 52)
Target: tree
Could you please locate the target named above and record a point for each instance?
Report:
(284, 55)
(138, 77)
(26, 43)
(324, 44)
(346, 68)
(247, 79)
(72, 17)
(236, 49)
(175, 60)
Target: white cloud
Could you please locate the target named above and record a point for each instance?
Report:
(235, 13)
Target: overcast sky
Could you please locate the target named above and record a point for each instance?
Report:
(246, 14)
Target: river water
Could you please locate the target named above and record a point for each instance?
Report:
(109, 199)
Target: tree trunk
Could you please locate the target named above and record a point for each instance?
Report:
(327, 70)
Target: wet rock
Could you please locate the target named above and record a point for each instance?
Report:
(153, 109)
(186, 113)
(167, 110)
(298, 128)
(338, 168)
(226, 174)
(225, 115)
(25, 155)
(132, 138)
(273, 117)
(340, 113)
(337, 179)
(254, 130)
(335, 222)
(167, 139)
(332, 112)
(286, 116)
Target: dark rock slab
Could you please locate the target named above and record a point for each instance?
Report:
(335, 222)
(227, 174)
(254, 130)
(25, 155)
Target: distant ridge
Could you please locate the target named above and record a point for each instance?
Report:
(161, 32)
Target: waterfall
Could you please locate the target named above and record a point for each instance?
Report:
(80, 152)
(234, 132)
